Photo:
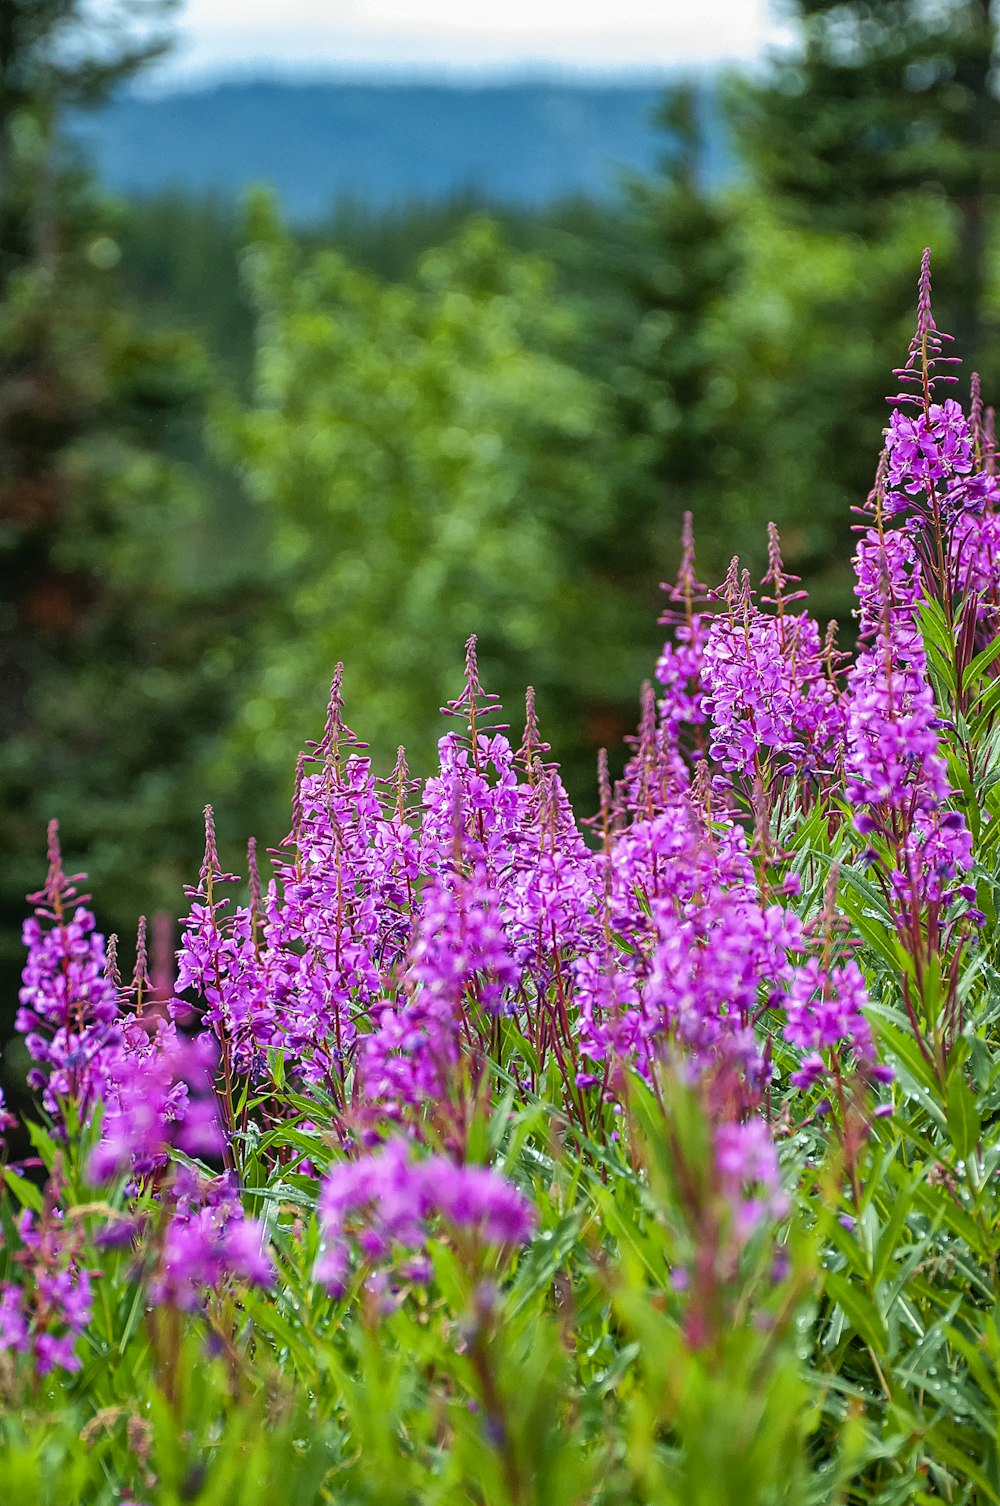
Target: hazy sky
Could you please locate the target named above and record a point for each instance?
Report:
(220, 35)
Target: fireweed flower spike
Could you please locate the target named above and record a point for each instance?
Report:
(219, 976)
(772, 707)
(205, 1241)
(140, 973)
(160, 1098)
(68, 1013)
(747, 1164)
(379, 1210)
(934, 476)
(897, 779)
(933, 534)
(196, 1235)
(44, 1313)
(336, 918)
(825, 1008)
(926, 349)
(678, 669)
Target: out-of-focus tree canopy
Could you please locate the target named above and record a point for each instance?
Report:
(433, 465)
(116, 651)
(883, 100)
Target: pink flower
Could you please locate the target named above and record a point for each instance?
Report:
(383, 1204)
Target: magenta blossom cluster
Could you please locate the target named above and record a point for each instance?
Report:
(47, 1310)
(68, 1011)
(159, 1097)
(769, 699)
(379, 1209)
(206, 1239)
(397, 930)
(747, 1164)
(825, 1011)
(894, 758)
(930, 541)
(928, 458)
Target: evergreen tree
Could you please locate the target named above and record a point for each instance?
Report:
(655, 277)
(56, 380)
(677, 264)
(57, 55)
(883, 100)
(115, 647)
(745, 347)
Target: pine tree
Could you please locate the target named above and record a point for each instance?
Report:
(883, 100)
(57, 374)
(657, 274)
(679, 263)
(115, 653)
(58, 55)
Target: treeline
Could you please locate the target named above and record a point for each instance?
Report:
(525, 142)
(232, 455)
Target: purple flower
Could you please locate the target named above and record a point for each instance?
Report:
(383, 1204)
(975, 552)
(218, 963)
(936, 852)
(825, 1007)
(336, 920)
(208, 1239)
(888, 587)
(69, 1004)
(893, 756)
(809, 1072)
(13, 1322)
(932, 447)
(747, 1164)
(768, 696)
(48, 1309)
(713, 969)
(678, 671)
(160, 1096)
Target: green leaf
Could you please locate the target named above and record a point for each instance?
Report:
(27, 1194)
(859, 1310)
(964, 1123)
(981, 663)
(43, 1143)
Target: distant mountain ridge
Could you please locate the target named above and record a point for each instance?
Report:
(386, 143)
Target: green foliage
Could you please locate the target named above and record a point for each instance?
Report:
(118, 648)
(577, 1376)
(744, 353)
(884, 101)
(179, 269)
(432, 466)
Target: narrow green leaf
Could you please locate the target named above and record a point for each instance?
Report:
(859, 1310)
(964, 1123)
(27, 1194)
(981, 663)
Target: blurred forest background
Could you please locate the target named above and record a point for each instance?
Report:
(235, 448)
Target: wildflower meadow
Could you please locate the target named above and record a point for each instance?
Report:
(478, 1151)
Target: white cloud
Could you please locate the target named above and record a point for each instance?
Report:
(219, 34)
